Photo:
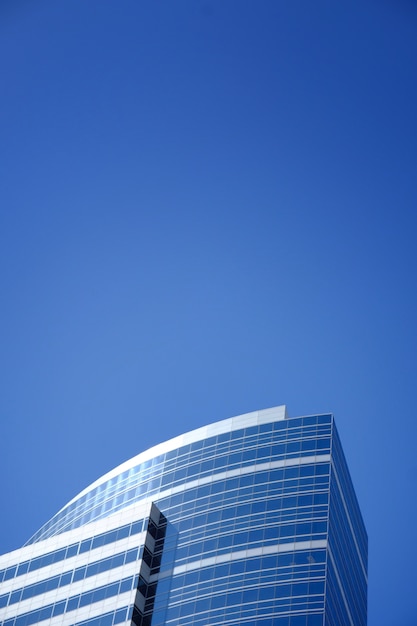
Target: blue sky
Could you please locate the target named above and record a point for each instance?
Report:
(209, 208)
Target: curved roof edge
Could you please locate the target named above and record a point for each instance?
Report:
(255, 418)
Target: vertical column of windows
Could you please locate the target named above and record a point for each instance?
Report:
(151, 564)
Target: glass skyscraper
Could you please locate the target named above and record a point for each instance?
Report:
(251, 520)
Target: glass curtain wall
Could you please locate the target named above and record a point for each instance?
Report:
(250, 520)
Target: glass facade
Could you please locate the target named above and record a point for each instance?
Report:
(252, 520)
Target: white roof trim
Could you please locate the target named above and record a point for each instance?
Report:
(256, 418)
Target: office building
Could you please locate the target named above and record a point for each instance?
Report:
(251, 520)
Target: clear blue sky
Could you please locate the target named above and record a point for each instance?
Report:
(207, 208)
